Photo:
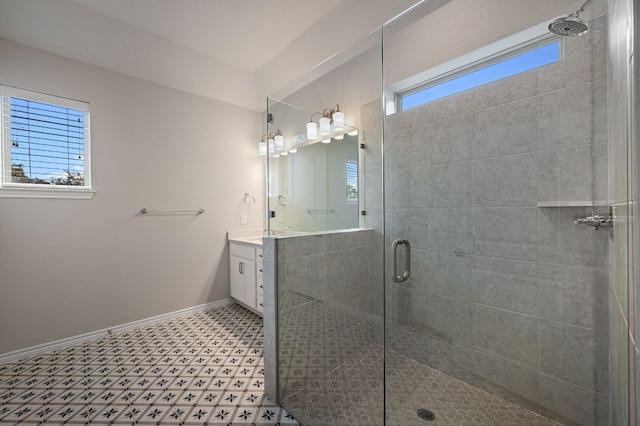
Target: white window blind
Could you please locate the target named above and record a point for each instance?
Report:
(45, 141)
(352, 180)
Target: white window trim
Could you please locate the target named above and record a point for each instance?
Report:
(78, 194)
(13, 190)
(512, 45)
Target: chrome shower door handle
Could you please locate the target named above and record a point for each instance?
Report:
(407, 260)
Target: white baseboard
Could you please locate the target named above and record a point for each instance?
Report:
(79, 339)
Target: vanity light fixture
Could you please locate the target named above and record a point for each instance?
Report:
(279, 140)
(312, 130)
(326, 140)
(266, 145)
(330, 120)
(271, 143)
(338, 119)
(325, 125)
(293, 151)
(353, 133)
(339, 137)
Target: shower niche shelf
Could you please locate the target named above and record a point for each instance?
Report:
(572, 204)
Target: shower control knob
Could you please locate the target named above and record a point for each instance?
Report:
(596, 221)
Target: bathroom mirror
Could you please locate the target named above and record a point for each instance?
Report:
(315, 188)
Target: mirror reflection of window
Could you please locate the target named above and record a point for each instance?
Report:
(352, 181)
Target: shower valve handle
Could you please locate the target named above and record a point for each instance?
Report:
(596, 221)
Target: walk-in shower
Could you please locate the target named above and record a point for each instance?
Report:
(466, 288)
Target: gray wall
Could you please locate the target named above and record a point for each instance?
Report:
(504, 294)
(74, 266)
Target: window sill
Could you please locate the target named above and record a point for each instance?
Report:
(76, 194)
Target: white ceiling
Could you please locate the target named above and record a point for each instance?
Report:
(229, 50)
(245, 33)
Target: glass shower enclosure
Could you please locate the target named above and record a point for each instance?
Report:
(475, 268)
(323, 260)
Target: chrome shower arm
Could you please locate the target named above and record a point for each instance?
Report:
(582, 8)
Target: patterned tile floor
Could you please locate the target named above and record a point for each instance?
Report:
(202, 369)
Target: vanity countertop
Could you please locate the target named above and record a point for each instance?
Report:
(256, 241)
(253, 238)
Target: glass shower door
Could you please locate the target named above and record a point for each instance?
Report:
(496, 277)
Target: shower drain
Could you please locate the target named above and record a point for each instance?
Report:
(426, 415)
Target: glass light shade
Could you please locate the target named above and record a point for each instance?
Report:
(284, 153)
(272, 146)
(339, 137)
(276, 156)
(338, 121)
(262, 148)
(326, 140)
(312, 130)
(293, 151)
(279, 140)
(325, 125)
(353, 133)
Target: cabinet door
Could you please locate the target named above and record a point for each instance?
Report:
(236, 288)
(243, 281)
(259, 286)
(249, 274)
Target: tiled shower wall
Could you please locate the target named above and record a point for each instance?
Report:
(318, 296)
(506, 292)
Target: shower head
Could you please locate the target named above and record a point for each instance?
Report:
(571, 25)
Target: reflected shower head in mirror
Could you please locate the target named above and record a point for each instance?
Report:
(571, 25)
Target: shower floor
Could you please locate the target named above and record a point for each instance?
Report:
(352, 395)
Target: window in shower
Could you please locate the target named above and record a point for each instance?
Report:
(352, 180)
(45, 145)
(483, 71)
(483, 74)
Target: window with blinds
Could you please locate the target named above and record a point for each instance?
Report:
(352, 180)
(45, 141)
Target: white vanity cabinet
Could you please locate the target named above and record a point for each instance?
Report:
(245, 263)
